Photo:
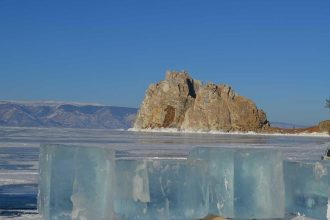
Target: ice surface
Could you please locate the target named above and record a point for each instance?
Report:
(307, 188)
(161, 189)
(75, 182)
(244, 183)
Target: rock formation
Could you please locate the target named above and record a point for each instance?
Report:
(324, 126)
(183, 103)
(166, 102)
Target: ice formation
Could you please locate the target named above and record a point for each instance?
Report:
(245, 183)
(161, 189)
(307, 188)
(76, 182)
(90, 183)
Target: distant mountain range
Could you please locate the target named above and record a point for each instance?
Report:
(287, 125)
(66, 115)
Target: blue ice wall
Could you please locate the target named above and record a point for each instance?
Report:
(90, 183)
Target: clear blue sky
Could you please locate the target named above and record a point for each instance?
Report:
(276, 52)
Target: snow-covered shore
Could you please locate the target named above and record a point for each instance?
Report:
(250, 133)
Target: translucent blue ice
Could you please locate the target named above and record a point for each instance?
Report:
(161, 189)
(88, 183)
(244, 183)
(75, 182)
(56, 181)
(221, 178)
(307, 188)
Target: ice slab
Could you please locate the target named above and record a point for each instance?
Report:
(221, 178)
(244, 183)
(75, 182)
(161, 189)
(307, 188)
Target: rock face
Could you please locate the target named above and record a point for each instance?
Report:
(183, 103)
(324, 126)
(167, 102)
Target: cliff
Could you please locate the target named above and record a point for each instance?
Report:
(184, 103)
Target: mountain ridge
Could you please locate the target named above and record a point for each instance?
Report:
(65, 114)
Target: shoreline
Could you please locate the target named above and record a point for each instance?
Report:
(247, 133)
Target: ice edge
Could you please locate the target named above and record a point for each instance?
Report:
(175, 130)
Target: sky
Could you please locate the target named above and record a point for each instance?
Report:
(275, 52)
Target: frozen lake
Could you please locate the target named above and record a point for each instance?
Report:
(19, 149)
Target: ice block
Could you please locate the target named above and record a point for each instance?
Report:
(161, 189)
(56, 181)
(221, 178)
(307, 188)
(244, 183)
(76, 182)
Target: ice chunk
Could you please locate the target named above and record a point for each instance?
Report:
(132, 192)
(56, 181)
(93, 185)
(76, 182)
(307, 188)
(244, 183)
(161, 189)
(221, 178)
(258, 184)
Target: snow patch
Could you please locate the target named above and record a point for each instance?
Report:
(51, 103)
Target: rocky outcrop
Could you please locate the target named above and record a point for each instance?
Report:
(324, 126)
(218, 107)
(183, 103)
(166, 103)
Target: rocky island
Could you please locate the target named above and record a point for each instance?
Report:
(183, 103)
(186, 104)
